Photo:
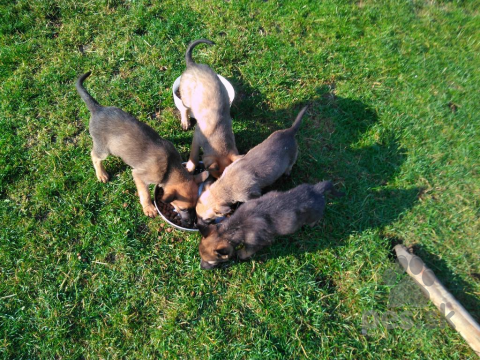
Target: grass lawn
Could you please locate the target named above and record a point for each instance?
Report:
(394, 122)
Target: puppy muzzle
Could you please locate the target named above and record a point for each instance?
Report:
(204, 265)
(188, 218)
(202, 223)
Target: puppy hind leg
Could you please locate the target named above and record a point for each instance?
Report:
(144, 195)
(314, 223)
(289, 169)
(315, 218)
(184, 119)
(97, 157)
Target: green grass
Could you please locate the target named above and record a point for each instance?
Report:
(394, 121)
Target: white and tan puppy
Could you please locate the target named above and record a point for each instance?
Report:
(204, 95)
(245, 178)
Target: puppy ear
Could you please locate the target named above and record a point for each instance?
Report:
(206, 230)
(206, 185)
(169, 197)
(235, 157)
(199, 178)
(213, 166)
(223, 251)
(255, 194)
(223, 209)
(208, 160)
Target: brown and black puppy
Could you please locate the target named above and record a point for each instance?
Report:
(255, 223)
(244, 179)
(154, 160)
(204, 95)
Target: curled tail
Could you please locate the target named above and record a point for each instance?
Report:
(327, 186)
(188, 54)
(92, 104)
(298, 120)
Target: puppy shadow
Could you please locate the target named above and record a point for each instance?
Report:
(253, 120)
(339, 140)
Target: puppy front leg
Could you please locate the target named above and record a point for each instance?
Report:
(100, 171)
(251, 195)
(247, 251)
(194, 153)
(144, 195)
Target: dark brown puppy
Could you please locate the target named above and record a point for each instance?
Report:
(154, 160)
(245, 178)
(256, 223)
(204, 95)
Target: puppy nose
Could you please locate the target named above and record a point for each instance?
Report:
(201, 223)
(206, 266)
(187, 222)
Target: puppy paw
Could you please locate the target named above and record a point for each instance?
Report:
(150, 211)
(185, 124)
(314, 224)
(102, 177)
(245, 254)
(288, 172)
(190, 166)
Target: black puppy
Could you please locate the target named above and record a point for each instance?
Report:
(256, 223)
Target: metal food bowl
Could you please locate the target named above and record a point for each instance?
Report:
(179, 103)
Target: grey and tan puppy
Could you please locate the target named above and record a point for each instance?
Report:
(245, 178)
(154, 160)
(204, 95)
(255, 223)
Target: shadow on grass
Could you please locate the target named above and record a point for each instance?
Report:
(251, 113)
(339, 140)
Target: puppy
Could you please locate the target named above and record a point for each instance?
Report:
(256, 223)
(204, 95)
(154, 160)
(244, 179)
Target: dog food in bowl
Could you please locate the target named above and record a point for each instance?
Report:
(167, 211)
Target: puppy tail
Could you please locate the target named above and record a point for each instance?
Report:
(298, 120)
(188, 54)
(327, 187)
(92, 104)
